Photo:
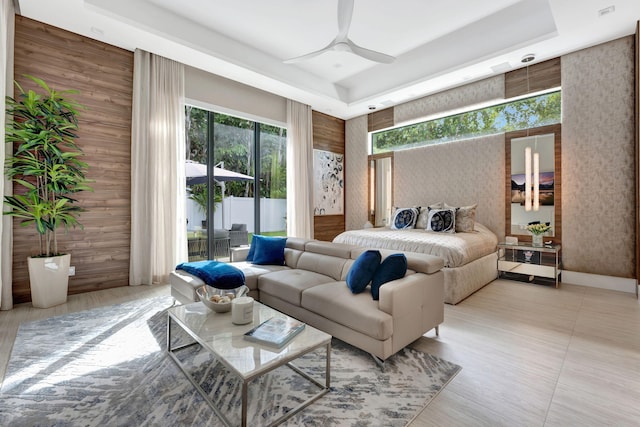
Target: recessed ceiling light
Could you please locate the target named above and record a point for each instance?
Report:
(528, 58)
(606, 11)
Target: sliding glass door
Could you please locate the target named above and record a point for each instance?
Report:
(236, 182)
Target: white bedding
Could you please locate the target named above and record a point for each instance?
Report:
(457, 249)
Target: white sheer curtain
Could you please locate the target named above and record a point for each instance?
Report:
(6, 86)
(158, 190)
(299, 170)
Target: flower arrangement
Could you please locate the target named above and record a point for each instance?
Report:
(538, 229)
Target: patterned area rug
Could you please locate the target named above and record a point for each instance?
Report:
(109, 366)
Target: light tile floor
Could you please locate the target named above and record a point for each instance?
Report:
(532, 355)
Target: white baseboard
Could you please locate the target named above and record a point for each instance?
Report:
(598, 281)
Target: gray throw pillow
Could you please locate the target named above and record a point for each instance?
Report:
(465, 218)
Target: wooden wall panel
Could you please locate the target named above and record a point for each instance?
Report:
(104, 76)
(380, 119)
(327, 227)
(637, 159)
(328, 135)
(533, 78)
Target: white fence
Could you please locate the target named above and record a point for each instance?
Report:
(240, 210)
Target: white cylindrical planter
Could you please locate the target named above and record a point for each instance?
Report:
(49, 278)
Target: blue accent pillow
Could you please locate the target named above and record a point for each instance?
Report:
(404, 218)
(217, 274)
(252, 248)
(362, 270)
(268, 250)
(392, 268)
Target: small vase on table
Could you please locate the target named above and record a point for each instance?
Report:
(536, 240)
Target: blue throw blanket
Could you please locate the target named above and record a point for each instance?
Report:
(217, 274)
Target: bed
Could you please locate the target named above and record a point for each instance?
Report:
(470, 258)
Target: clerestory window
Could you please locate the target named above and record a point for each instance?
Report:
(536, 111)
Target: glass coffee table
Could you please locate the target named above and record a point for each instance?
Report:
(245, 359)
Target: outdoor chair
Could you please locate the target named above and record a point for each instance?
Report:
(238, 235)
(221, 239)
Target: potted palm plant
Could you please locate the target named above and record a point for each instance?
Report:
(47, 169)
(198, 193)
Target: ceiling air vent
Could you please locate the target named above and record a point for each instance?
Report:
(606, 11)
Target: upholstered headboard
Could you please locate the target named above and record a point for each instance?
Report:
(460, 173)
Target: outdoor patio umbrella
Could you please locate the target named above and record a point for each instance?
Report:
(197, 174)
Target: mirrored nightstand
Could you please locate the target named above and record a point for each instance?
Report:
(525, 261)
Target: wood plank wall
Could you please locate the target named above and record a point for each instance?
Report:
(104, 76)
(328, 135)
(637, 132)
(380, 119)
(533, 78)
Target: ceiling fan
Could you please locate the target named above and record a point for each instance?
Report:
(342, 43)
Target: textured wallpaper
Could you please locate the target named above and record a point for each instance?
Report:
(356, 172)
(463, 96)
(460, 174)
(598, 184)
(598, 181)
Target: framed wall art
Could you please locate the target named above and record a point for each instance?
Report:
(328, 170)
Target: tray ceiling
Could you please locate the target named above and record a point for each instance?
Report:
(438, 45)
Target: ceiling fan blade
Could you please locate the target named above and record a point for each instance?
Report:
(345, 14)
(342, 43)
(369, 54)
(309, 55)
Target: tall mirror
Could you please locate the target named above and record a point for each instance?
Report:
(380, 189)
(533, 181)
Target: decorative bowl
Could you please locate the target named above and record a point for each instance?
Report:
(219, 300)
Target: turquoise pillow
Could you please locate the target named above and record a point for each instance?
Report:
(362, 270)
(392, 268)
(268, 250)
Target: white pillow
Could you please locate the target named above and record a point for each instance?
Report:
(424, 214)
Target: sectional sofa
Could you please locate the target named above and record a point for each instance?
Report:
(311, 287)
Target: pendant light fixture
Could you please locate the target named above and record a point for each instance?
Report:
(532, 176)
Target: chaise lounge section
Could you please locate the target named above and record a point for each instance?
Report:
(311, 287)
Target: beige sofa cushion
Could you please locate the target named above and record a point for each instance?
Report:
(359, 312)
(253, 271)
(339, 250)
(297, 243)
(289, 284)
(291, 257)
(323, 264)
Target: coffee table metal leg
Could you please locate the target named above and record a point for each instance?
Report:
(245, 403)
(323, 388)
(328, 367)
(193, 382)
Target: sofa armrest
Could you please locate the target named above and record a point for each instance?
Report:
(416, 303)
(238, 254)
(402, 295)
